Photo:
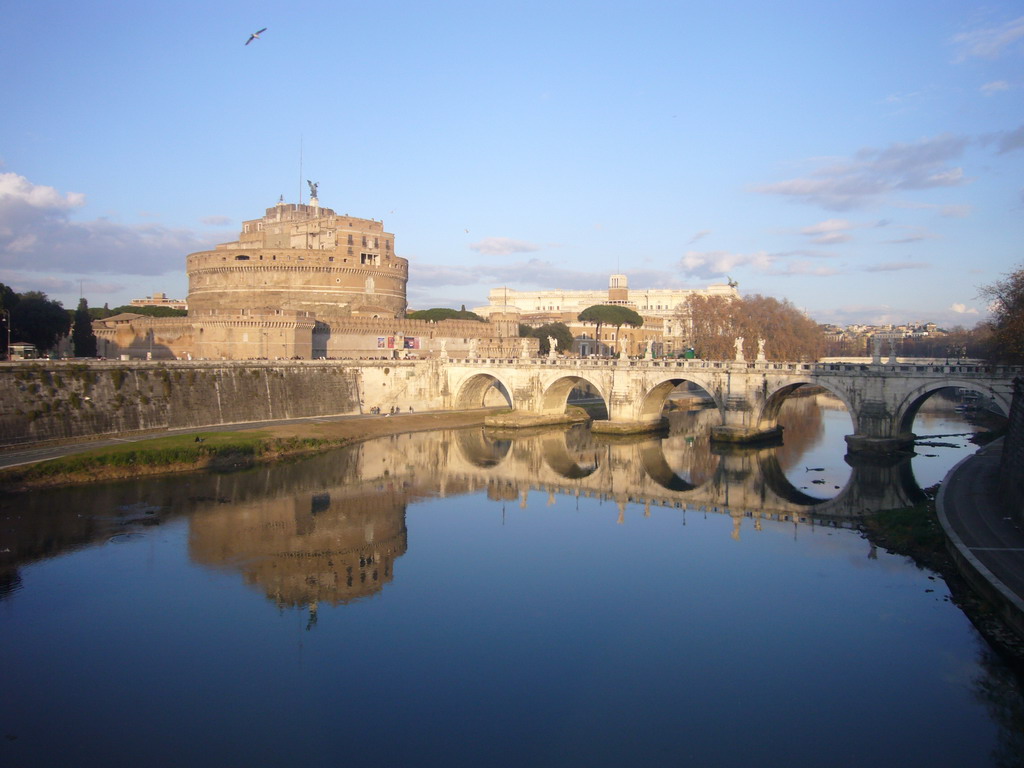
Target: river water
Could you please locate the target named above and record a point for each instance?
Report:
(476, 598)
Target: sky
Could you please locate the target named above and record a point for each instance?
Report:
(864, 161)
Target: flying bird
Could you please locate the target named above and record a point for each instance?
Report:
(255, 35)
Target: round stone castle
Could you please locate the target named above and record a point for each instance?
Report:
(302, 258)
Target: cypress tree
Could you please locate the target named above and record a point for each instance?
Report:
(82, 337)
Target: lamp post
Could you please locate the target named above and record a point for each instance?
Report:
(6, 314)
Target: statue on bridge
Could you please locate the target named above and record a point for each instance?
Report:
(649, 353)
(739, 349)
(524, 348)
(760, 349)
(552, 347)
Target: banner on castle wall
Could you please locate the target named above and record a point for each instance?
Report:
(385, 342)
(412, 342)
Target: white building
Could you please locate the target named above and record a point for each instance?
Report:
(537, 307)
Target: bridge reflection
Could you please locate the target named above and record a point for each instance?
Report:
(330, 529)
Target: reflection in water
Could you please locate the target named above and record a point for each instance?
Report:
(617, 642)
(329, 529)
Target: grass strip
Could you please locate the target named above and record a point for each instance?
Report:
(175, 451)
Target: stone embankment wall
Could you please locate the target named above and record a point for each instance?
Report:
(1011, 470)
(43, 401)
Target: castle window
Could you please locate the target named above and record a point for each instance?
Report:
(350, 239)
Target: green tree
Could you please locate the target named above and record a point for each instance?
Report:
(1006, 299)
(38, 320)
(558, 331)
(8, 298)
(100, 314)
(609, 314)
(437, 314)
(83, 339)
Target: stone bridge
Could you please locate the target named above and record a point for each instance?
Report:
(882, 398)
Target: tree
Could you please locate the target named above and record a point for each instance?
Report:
(716, 321)
(83, 339)
(8, 298)
(609, 314)
(437, 314)
(1006, 298)
(559, 331)
(39, 321)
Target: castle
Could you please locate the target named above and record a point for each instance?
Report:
(302, 282)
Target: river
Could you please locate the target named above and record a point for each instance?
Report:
(519, 599)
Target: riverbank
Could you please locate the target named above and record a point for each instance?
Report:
(223, 451)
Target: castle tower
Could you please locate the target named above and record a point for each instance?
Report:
(302, 258)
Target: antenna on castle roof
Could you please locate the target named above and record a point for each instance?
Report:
(300, 169)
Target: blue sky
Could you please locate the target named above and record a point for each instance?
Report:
(863, 160)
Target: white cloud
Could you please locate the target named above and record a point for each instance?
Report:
(216, 221)
(913, 235)
(991, 42)
(718, 264)
(995, 87)
(537, 273)
(503, 246)
(872, 173)
(699, 236)
(896, 266)
(37, 233)
(963, 309)
(15, 189)
(829, 232)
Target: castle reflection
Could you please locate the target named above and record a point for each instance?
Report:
(329, 529)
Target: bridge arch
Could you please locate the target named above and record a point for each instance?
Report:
(480, 390)
(912, 402)
(774, 400)
(479, 449)
(654, 463)
(653, 402)
(566, 462)
(555, 394)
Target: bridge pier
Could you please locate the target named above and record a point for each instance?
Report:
(869, 444)
(878, 430)
(742, 424)
(624, 427)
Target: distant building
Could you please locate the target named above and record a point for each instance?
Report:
(666, 323)
(160, 300)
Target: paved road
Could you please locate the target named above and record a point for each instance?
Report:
(983, 532)
(29, 455)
